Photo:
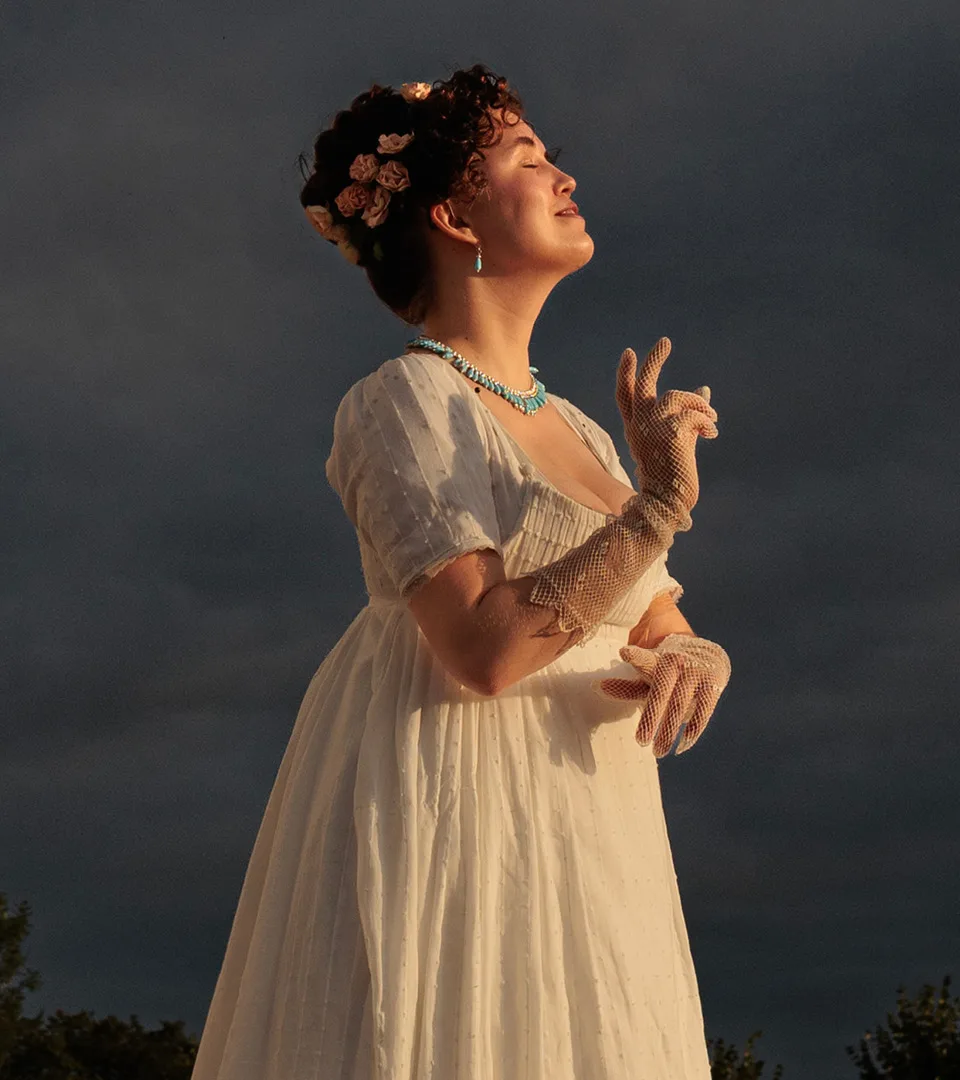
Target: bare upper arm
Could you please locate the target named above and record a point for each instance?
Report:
(445, 609)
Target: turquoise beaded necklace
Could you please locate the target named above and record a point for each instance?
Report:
(527, 401)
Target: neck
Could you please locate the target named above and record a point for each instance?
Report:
(490, 321)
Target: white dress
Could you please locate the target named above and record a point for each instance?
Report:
(447, 886)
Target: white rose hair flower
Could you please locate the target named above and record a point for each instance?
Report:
(415, 91)
(321, 218)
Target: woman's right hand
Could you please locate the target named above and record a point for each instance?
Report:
(662, 433)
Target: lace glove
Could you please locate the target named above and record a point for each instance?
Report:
(662, 433)
(681, 679)
(585, 583)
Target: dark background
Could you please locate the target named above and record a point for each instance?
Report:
(772, 186)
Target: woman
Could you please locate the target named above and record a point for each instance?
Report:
(463, 869)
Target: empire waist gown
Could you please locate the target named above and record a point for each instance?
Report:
(446, 885)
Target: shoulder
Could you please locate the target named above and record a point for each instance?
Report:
(408, 426)
(412, 370)
(410, 382)
(412, 398)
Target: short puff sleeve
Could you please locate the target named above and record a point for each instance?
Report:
(411, 467)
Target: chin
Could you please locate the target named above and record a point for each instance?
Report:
(582, 254)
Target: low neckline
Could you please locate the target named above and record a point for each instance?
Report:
(525, 457)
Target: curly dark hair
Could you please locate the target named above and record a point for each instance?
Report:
(451, 127)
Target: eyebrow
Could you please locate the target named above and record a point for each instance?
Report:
(521, 140)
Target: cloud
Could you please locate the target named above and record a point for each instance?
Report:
(771, 188)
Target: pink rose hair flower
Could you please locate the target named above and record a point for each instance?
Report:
(365, 168)
(372, 187)
(376, 210)
(393, 144)
(354, 197)
(394, 176)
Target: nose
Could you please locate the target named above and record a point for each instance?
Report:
(568, 184)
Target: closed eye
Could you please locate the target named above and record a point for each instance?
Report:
(551, 156)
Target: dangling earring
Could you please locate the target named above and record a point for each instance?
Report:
(479, 261)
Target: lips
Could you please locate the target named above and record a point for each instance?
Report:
(568, 211)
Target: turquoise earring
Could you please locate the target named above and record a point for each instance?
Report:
(479, 261)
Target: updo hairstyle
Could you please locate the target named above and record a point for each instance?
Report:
(451, 125)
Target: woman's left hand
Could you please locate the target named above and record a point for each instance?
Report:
(681, 680)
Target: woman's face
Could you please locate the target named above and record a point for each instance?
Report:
(516, 217)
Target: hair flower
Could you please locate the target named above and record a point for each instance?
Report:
(394, 176)
(354, 197)
(415, 91)
(320, 218)
(393, 144)
(376, 210)
(365, 168)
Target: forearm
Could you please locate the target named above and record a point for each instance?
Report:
(661, 618)
(512, 638)
(521, 625)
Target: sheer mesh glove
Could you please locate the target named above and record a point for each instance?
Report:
(585, 583)
(661, 433)
(681, 679)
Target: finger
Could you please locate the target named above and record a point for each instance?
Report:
(621, 689)
(665, 679)
(644, 660)
(650, 369)
(626, 379)
(677, 708)
(705, 702)
(692, 422)
(676, 401)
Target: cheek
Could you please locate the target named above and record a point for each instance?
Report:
(523, 210)
(517, 201)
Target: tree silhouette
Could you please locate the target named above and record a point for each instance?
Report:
(16, 980)
(76, 1046)
(922, 1042)
(726, 1063)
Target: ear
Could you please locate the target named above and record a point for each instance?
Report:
(444, 215)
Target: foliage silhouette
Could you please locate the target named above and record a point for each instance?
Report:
(726, 1063)
(921, 1043)
(76, 1046)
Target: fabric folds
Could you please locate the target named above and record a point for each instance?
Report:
(447, 886)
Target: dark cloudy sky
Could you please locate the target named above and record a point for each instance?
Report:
(774, 186)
